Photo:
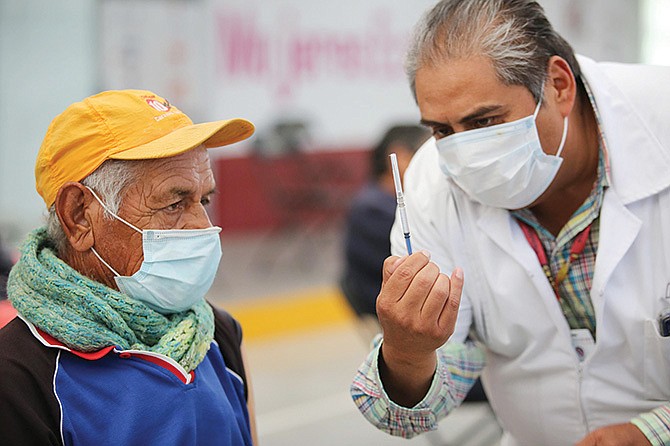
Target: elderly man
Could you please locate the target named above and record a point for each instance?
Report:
(114, 343)
(546, 191)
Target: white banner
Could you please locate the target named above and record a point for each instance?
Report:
(336, 66)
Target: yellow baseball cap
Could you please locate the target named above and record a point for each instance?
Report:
(123, 125)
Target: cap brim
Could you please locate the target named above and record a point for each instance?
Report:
(209, 134)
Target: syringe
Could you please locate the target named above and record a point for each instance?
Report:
(400, 198)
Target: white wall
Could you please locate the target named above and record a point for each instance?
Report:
(47, 61)
(605, 30)
(337, 65)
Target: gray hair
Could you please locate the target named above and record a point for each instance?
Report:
(514, 34)
(109, 182)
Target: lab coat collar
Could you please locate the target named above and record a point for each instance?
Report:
(639, 163)
(503, 230)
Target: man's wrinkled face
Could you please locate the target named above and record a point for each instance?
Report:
(169, 193)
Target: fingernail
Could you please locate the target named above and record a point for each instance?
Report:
(426, 253)
(458, 273)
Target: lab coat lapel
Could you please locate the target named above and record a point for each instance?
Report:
(505, 232)
(639, 161)
(618, 229)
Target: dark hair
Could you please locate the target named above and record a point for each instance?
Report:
(514, 34)
(409, 136)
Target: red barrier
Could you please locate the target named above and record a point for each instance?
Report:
(261, 193)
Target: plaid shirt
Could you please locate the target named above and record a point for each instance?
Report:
(459, 365)
(574, 291)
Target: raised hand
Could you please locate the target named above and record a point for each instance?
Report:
(417, 309)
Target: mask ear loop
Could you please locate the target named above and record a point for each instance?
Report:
(118, 218)
(537, 109)
(565, 125)
(108, 210)
(104, 263)
(564, 137)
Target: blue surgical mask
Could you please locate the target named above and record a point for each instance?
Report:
(502, 165)
(178, 268)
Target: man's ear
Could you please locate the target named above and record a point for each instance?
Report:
(563, 84)
(76, 213)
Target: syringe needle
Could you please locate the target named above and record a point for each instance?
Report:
(400, 199)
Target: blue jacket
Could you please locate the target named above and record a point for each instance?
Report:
(52, 395)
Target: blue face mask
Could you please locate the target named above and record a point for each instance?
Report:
(178, 268)
(502, 165)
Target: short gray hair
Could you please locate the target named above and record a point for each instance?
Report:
(514, 34)
(109, 182)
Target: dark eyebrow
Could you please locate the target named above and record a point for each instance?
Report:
(482, 111)
(427, 123)
(180, 192)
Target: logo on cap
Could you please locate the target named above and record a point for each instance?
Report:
(160, 106)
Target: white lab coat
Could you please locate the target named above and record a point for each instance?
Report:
(540, 391)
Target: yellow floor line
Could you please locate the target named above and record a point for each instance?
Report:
(290, 313)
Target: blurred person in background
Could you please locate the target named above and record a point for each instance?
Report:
(115, 343)
(370, 217)
(547, 181)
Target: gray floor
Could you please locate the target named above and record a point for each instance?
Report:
(301, 380)
(301, 384)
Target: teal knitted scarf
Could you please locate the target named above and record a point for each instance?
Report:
(87, 316)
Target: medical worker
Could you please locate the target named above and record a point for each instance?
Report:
(545, 195)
